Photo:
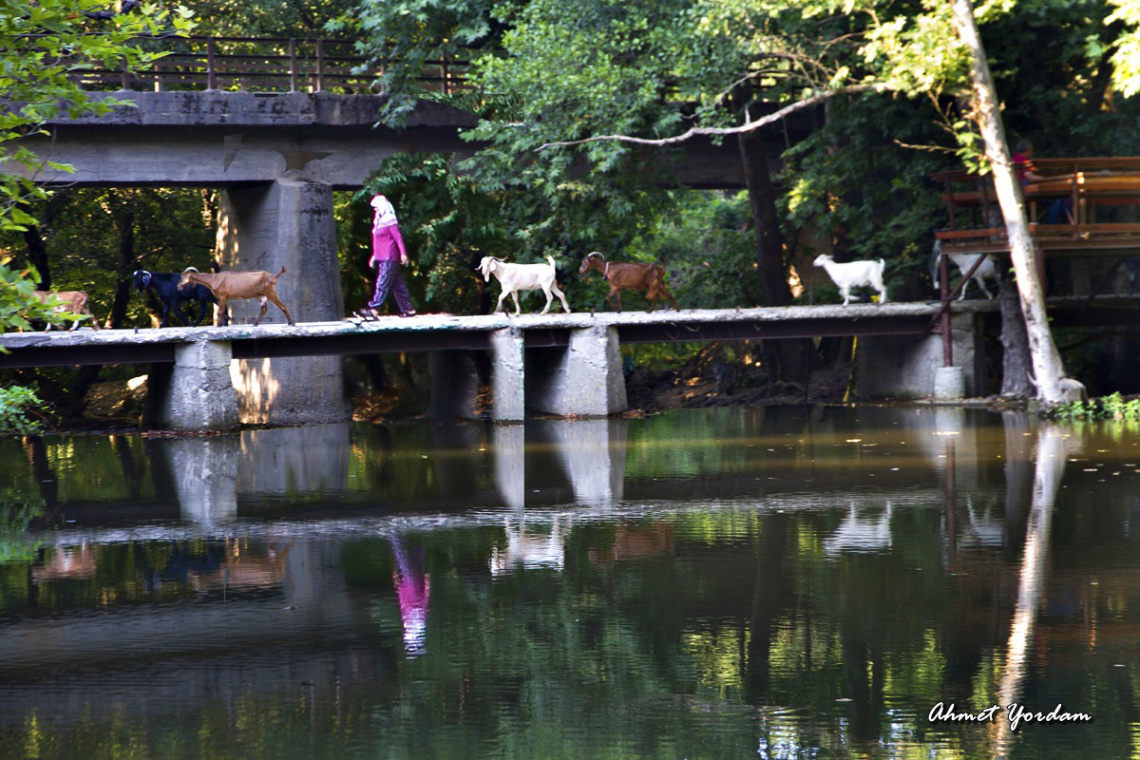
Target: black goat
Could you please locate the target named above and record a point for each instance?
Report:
(165, 286)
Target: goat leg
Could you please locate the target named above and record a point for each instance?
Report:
(561, 296)
(271, 294)
(223, 313)
(264, 307)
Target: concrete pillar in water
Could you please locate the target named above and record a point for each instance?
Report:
(585, 378)
(201, 394)
(507, 376)
(286, 223)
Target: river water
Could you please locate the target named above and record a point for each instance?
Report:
(869, 582)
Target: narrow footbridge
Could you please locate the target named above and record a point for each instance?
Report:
(556, 363)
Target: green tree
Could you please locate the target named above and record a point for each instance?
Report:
(41, 44)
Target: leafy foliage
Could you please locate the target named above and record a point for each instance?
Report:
(19, 307)
(16, 403)
(404, 38)
(266, 18)
(44, 41)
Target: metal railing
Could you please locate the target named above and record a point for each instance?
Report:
(270, 65)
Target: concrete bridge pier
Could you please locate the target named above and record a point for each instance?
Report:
(907, 366)
(199, 394)
(288, 222)
(584, 378)
(507, 375)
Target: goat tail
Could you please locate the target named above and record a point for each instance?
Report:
(550, 259)
(283, 268)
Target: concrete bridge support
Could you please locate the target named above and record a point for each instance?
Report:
(507, 376)
(286, 223)
(584, 378)
(200, 395)
(904, 367)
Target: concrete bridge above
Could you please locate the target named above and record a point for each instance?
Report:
(231, 139)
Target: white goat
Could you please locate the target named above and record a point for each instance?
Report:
(516, 277)
(854, 274)
(987, 270)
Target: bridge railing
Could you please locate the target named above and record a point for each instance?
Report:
(261, 65)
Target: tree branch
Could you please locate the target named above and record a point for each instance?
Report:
(748, 126)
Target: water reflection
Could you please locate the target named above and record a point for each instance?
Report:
(802, 582)
(859, 533)
(205, 478)
(533, 548)
(413, 589)
(590, 456)
(1053, 448)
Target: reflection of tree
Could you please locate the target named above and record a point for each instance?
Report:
(771, 591)
(1048, 472)
(16, 517)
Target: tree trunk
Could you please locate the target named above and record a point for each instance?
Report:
(792, 356)
(37, 256)
(128, 263)
(1016, 361)
(1053, 387)
(769, 243)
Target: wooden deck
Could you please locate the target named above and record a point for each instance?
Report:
(1103, 194)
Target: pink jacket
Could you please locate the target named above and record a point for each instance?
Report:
(387, 244)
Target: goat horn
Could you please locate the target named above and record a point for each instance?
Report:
(190, 269)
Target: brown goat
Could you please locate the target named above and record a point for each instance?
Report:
(72, 301)
(237, 285)
(649, 278)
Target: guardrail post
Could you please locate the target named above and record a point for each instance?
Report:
(211, 72)
(125, 82)
(320, 65)
(292, 65)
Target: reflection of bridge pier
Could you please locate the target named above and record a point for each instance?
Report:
(590, 454)
(210, 473)
(205, 477)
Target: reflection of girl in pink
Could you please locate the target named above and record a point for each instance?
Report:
(413, 587)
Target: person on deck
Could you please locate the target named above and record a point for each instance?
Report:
(1058, 210)
(388, 253)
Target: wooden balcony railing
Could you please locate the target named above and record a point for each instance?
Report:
(1101, 208)
(267, 65)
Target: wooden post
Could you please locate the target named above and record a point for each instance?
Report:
(211, 72)
(320, 65)
(944, 288)
(292, 65)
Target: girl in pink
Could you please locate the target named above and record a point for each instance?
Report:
(388, 253)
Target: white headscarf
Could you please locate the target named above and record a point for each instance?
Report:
(384, 215)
